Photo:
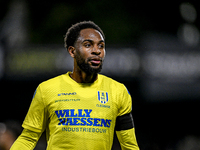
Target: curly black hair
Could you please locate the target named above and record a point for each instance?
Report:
(74, 31)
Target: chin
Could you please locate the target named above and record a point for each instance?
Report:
(93, 70)
(90, 69)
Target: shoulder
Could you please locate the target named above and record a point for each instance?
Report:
(53, 82)
(117, 86)
(111, 82)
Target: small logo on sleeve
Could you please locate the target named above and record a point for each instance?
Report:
(103, 97)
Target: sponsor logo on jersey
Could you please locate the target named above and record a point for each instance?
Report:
(103, 97)
(67, 100)
(103, 106)
(61, 94)
(80, 117)
(84, 129)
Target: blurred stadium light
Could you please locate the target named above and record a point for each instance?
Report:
(188, 32)
(30, 63)
(170, 69)
(14, 26)
(188, 12)
(122, 62)
(172, 65)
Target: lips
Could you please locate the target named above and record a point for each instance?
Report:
(95, 60)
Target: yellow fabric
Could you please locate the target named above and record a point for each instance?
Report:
(26, 141)
(127, 139)
(76, 115)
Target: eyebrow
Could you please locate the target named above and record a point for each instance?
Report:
(93, 41)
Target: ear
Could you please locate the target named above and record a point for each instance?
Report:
(71, 51)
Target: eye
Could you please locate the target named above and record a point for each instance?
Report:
(101, 45)
(87, 45)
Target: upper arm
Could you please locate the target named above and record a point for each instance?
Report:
(36, 117)
(124, 101)
(124, 123)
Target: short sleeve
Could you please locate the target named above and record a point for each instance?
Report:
(36, 118)
(125, 102)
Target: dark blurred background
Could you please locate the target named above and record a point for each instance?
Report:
(153, 47)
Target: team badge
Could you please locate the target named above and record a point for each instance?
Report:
(103, 97)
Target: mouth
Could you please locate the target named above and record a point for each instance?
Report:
(95, 61)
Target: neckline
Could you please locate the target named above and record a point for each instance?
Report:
(73, 82)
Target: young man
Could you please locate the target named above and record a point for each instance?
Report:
(80, 109)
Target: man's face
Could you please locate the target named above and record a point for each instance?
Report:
(90, 51)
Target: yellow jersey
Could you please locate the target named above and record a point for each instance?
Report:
(78, 115)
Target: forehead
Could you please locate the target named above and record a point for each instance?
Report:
(91, 34)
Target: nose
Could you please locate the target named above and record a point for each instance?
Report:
(96, 50)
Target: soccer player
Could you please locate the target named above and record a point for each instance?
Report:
(80, 109)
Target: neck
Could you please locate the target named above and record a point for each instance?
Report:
(82, 77)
